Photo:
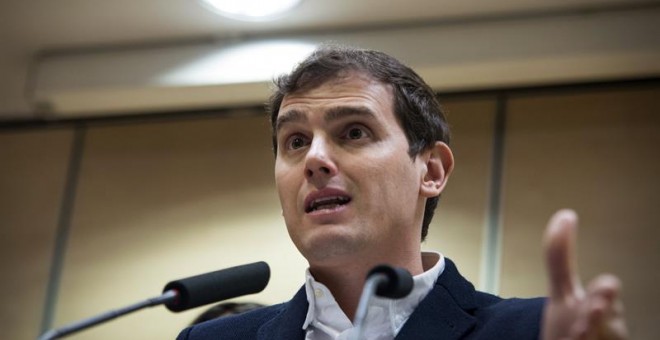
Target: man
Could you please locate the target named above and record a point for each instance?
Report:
(361, 160)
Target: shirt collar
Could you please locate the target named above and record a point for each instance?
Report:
(325, 314)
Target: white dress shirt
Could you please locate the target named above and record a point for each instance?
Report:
(385, 318)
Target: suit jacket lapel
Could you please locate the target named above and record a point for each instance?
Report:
(443, 313)
(288, 324)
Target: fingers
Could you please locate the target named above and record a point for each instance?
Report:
(559, 247)
(604, 294)
(570, 313)
(602, 311)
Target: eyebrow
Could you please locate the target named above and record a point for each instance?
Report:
(341, 112)
(333, 114)
(292, 116)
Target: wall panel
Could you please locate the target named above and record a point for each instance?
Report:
(33, 166)
(163, 200)
(457, 229)
(595, 152)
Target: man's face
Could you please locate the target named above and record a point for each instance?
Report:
(346, 182)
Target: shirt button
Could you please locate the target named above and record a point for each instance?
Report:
(318, 293)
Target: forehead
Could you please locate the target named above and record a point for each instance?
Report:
(354, 88)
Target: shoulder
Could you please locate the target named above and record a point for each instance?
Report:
(519, 309)
(514, 316)
(479, 315)
(281, 321)
(242, 326)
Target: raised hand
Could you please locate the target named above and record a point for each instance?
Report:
(571, 312)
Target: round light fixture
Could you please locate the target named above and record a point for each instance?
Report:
(251, 10)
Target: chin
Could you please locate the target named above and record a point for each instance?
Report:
(330, 247)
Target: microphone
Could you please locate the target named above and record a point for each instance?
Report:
(184, 294)
(384, 281)
(217, 286)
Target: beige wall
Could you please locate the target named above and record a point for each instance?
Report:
(159, 200)
(596, 152)
(33, 167)
(457, 229)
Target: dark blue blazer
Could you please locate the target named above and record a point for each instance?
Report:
(452, 310)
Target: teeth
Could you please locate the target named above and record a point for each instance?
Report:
(327, 203)
(328, 199)
(326, 206)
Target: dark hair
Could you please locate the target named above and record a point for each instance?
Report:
(415, 104)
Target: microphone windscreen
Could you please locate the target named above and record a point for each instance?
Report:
(216, 286)
(399, 282)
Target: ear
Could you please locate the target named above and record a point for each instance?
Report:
(439, 163)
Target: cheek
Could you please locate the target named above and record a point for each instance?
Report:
(287, 189)
(398, 183)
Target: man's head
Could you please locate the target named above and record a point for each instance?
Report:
(414, 103)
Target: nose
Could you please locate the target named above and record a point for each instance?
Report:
(319, 162)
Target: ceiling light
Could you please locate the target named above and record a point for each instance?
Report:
(258, 61)
(250, 9)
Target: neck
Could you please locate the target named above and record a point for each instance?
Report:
(346, 280)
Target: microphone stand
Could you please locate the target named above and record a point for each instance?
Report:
(167, 297)
(384, 281)
(368, 292)
(183, 294)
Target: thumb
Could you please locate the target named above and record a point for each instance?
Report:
(560, 255)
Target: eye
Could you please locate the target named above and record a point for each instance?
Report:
(296, 142)
(356, 132)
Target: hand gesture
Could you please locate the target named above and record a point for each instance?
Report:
(570, 311)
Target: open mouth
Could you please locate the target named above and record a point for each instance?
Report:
(329, 203)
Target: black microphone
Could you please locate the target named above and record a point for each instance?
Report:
(384, 281)
(394, 282)
(217, 286)
(186, 293)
